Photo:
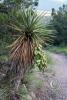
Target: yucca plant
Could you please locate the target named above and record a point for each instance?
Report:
(30, 31)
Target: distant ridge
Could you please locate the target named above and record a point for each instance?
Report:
(46, 16)
(45, 13)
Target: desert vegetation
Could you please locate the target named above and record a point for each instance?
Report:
(22, 25)
(24, 41)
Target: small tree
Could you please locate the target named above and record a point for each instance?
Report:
(30, 32)
(59, 22)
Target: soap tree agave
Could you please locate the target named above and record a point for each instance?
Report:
(30, 31)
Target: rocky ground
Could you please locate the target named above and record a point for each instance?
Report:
(50, 85)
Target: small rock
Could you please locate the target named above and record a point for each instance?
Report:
(29, 97)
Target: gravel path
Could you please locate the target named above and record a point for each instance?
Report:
(57, 83)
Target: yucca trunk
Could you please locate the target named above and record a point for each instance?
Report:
(21, 57)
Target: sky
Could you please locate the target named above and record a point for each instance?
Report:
(1, 1)
(49, 4)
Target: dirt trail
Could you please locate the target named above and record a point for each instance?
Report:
(61, 74)
(57, 83)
